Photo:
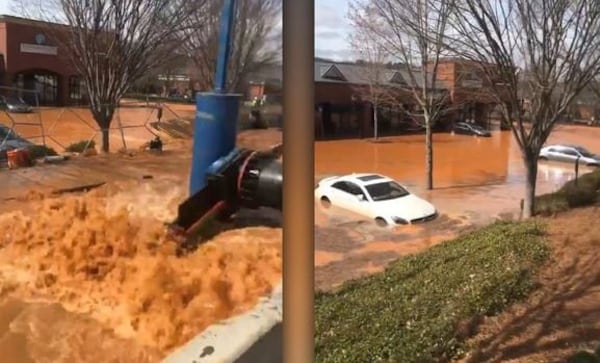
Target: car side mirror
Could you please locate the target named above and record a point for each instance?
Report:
(360, 197)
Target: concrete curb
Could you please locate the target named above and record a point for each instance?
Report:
(254, 336)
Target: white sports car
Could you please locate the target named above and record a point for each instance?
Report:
(376, 197)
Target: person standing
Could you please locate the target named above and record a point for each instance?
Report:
(159, 111)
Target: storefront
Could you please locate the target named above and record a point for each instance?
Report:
(34, 66)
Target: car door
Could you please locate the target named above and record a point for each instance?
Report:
(355, 204)
(557, 154)
(569, 155)
(460, 129)
(340, 195)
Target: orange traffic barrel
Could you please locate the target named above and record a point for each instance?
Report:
(18, 158)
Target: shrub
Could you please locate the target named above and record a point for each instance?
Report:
(415, 311)
(40, 151)
(570, 195)
(551, 203)
(583, 357)
(81, 146)
(579, 196)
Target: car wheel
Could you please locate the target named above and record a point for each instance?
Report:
(380, 222)
(325, 202)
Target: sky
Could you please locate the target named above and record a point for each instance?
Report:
(332, 29)
(6, 7)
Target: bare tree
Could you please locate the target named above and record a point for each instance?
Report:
(374, 74)
(256, 40)
(539, 52)
(112, 44)
(413, 33)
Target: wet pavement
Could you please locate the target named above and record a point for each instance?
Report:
(476, 181)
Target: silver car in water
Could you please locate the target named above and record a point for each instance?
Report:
(14, 105)
(570, 154)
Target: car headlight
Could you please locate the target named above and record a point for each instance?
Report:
(399, 220)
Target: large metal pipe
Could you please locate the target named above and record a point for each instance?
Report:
(215, 132)
(215, 127)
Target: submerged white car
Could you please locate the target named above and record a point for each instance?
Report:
(374, 196)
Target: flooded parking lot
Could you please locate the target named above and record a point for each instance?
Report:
(476, 180)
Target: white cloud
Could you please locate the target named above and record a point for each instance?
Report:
(332, 29)
(336, 54)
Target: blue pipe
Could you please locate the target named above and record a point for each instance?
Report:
(227, 17)
(215, 126)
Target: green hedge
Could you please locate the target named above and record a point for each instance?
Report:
(81, 146)
(570, 195)
(40, 151)
(416, 310)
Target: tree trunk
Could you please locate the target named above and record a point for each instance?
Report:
(375, 122)
(103, 116)
(428, 156)
(105, 140)
(530, 181)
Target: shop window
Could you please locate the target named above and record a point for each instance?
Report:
(75, 89)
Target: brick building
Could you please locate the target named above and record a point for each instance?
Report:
(266, 81)
(32, 59)
(340, 88)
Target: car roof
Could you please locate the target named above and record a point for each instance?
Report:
(365, 178)
(562, 145)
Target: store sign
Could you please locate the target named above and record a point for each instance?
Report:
(39, 49)
(178, 78)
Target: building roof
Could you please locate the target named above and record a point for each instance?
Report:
(334, 72)
(18, 20)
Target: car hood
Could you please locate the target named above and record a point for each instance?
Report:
(18, 106)
(409, 207)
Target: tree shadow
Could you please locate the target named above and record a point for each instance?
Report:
(564, 313)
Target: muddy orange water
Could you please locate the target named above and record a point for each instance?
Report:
(93, 277)
(476, 180)
(60, 127)
(467, 170)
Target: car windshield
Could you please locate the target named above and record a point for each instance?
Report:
(386, 190)
(585, 153)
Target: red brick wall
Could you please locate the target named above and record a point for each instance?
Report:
(256, 90)
(12, 34)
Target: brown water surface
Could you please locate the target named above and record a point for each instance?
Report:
(476, 180)
(46, 332)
